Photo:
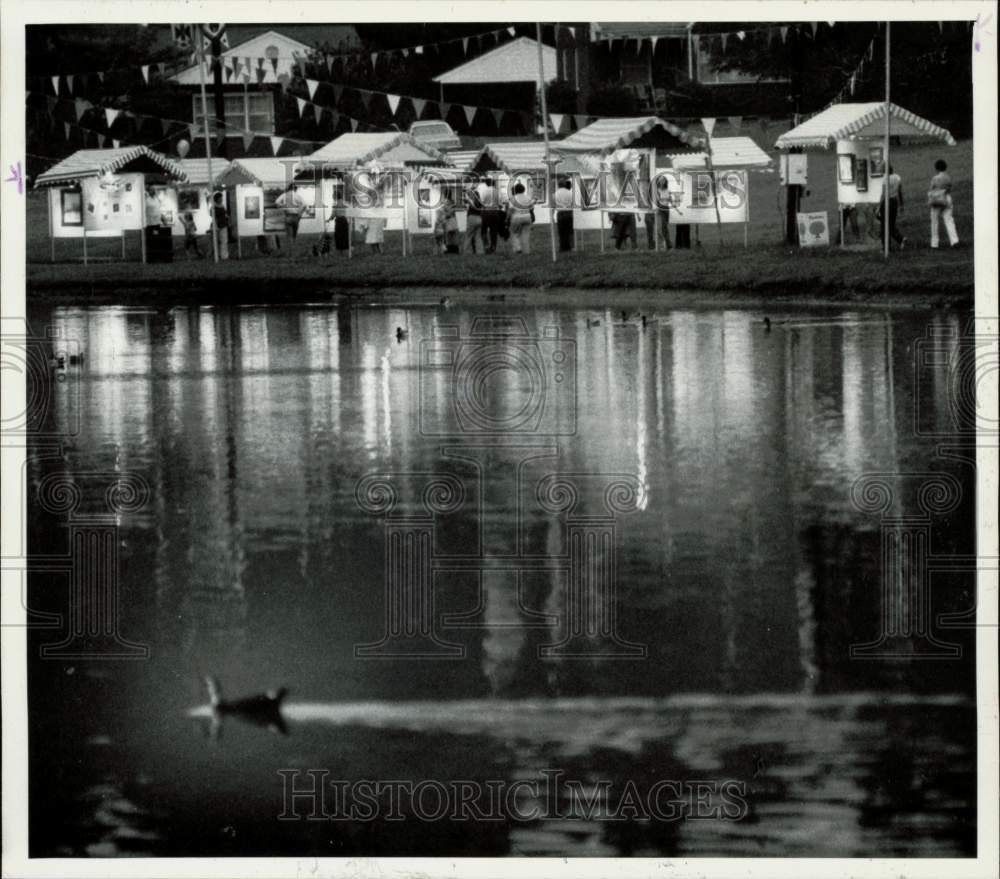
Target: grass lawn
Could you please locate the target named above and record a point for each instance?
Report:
(766, 266)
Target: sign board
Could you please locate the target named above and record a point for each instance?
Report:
(695, 196)
(814, 229)
(794, 169)
(115, 202)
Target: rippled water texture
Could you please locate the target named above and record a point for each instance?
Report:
(657, 574)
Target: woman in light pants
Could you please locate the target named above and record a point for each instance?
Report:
(939, 200)
(519, 219)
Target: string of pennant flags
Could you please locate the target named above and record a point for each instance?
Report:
(852, 81)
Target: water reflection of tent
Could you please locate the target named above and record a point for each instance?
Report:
(858, 130)
(100, 193)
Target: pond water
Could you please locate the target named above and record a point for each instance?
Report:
(493, 546)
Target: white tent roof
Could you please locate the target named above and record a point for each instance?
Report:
(727, 152)
(264, 172)
(608, 135)
(526, 156)
(851, 121)
(359, 148)
(516, 61)
(197, 169)
(463, 159)
(94, 163)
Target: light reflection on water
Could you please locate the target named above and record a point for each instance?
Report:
(745, 571)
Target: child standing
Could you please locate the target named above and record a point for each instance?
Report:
(191, 235)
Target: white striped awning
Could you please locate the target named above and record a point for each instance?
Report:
(197, 170)
(861, 121)
(355, 149)
(727, 152)
(607, 135)
(462, 159)
(262, 172)
(524, 156)
(96, 163)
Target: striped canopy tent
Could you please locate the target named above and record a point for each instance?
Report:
(463, 160)
(609, 135)
(727, 152)
(261, 172)
(120, 160)
(197, 170)
(861, 122)
(390, 149)
(524, 157)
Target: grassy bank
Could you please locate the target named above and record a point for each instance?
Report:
(765, 269)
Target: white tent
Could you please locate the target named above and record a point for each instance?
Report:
(861, 122)
(608, 135)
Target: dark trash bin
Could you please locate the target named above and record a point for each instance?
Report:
(159, 244)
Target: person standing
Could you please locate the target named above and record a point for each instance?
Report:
(191, 235)
(520, 216)
(663, 209)
(895, 184)
(292, 203)
(475, 241)
(493, 214)
(564, 214)
(375, 234)
(220, 225)
(940, 203)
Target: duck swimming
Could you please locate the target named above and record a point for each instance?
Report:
(263, 709)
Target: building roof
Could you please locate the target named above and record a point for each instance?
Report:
(263, 172)
(95, 163)
(638, 30)
(608, 135)
(727, 152)
(359, 148)
(851, 121)
(516, 61)
(524, 156)
(197, 170)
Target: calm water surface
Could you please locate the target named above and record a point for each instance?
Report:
(744, 569)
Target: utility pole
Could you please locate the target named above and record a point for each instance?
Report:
(549, 163)
(885, 171)
(219, 95)
(793, 192)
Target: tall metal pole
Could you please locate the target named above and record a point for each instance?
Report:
(545, 128)
(886, 174)
(196, 31)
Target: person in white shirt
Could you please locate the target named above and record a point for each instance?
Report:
(564, 214)
(294, 205)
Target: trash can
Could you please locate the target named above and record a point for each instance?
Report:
(159, 244)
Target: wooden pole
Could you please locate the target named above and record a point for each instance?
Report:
(549, 197)
(197, 34)
(885, 173)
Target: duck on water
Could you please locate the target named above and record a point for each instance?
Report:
(263, 709)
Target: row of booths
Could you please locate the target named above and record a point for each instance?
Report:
(391, 176)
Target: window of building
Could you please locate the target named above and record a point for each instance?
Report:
(245, 111)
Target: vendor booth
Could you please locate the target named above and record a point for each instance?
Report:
(858, 131)
(253, 187)
(367, 177)
(193, 195)
(106, 193)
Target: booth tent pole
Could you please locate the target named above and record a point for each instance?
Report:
(196, 32)
(885, 172)
(545, 129)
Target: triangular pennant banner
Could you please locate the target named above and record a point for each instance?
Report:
(512, 32)
(709, 124)
(110, 115)
(366, 98)
(164, 126)
(79, 107)
(317, 113)
(161, 67)
(784, 33)
(312, 85)
(815, 27)
(393, 103)
(260, 75)
(724, 38)
(145, 73)
(418, 106)
(581, 121)
(116, 143)
(329, 63)
(406, 53)
(498, 117)
(652, 41)
(419, 50)
(354, 124)
(470, 113)
(274, 64)
(374, 57)
(337, 89)
(192, 132)
(66, 129)
(100, 75)
(51, 103)
(557, 120)
(276, 144)
(140, 120)
(444, 109)
(572, 32)
(302, 106)
(247, 140)
(100, 140)
(465, 45)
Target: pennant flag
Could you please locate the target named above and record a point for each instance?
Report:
(140, 120)
(419, 50)
(724, 38)
(318, 113)
(274, 64)
(465, 45)
(736, 122)
(742, 35)
(850, 84)
(831, 23)
(100, 140)
(498, 117)
(162, 68)
(815, 27)
(709, 124)
(100, 75)
(164, 126)
(393, 103)
(302, 106)
(941, 27)
(276, 144)
(557, 120)
(181, 34)
(116, 143)
(572, 32)
(145, 73)
(312, 85)
(366, 98)
(260, 75)
(581, 121)
(192, 132)
(444, 110)
(66, 129)
(418, 106)
(784, 33)
(374, 57)
(653, 42)
(470, 113)
(337, 89)
(111, 114)
(51, 103)
(329, 63)
(512, 32)
(248, 137)
(354, 124)
(81, 106)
